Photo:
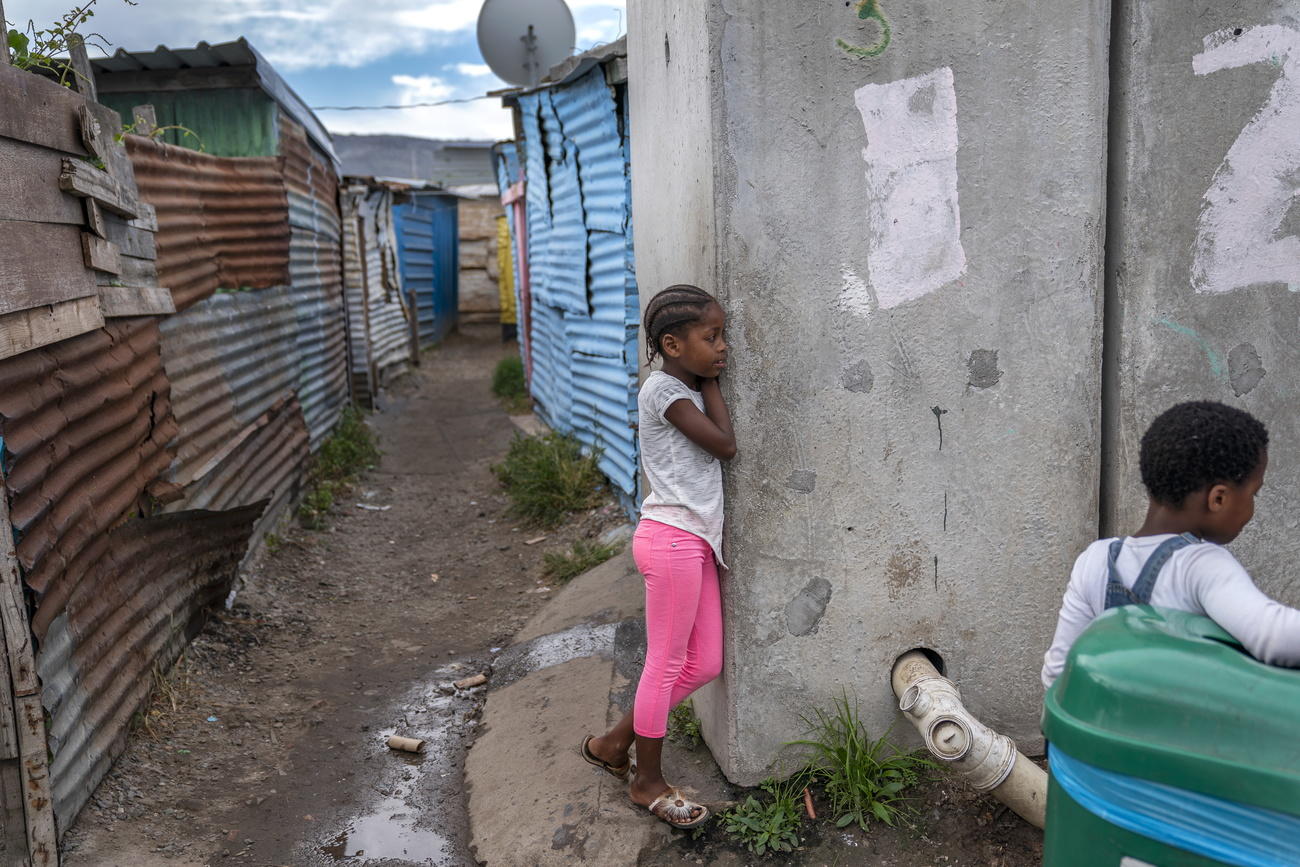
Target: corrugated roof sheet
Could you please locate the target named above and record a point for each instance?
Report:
(132, 607)
(85, 426)
(227, 54)
(223, 222)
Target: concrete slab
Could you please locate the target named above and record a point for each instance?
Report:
(532, 800)
(611, 592)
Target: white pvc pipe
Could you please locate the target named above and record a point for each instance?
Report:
(988, 760)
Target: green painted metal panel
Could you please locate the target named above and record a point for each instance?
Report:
(228, 123)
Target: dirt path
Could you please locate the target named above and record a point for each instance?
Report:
(265, 746)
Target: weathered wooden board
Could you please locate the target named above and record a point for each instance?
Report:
(101, 255)
(82, 179)
(132, 241)
(31, 186)
(135, 301)
(41, 264)
(138, 272)
(49, 115)
(29, 716)
(25, 330)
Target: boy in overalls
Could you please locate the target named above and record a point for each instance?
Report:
(1202, 464)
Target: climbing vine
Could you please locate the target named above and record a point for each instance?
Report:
(40, 49)
(869, 9)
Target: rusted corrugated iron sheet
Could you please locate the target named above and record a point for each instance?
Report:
(316, 272)
(230, 358)
(134, 606)
(265, 463)
(316, 279)
(85, 425)
(379, 330)
(223, 222)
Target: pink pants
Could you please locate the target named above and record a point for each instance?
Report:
(683, 621)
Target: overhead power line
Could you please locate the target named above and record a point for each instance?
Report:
(393, 107)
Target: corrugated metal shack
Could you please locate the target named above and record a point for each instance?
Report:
(427, 253)
(96, 585)
(577, 290)
(381, 327)
(172, 345)
(260, 211)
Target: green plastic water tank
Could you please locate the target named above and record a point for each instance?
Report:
(1170, 745)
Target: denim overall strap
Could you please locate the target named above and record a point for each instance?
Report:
(1117, 594)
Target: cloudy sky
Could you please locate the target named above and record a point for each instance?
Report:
(344, 52)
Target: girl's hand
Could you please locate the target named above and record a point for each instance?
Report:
(711, 429)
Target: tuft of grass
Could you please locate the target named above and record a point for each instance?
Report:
(864, 779)
(563, 568)
(272, 542)
(548, 476)
(348, 452)
(765, 826)
(684, 725)
(169, 692)
(508, 384)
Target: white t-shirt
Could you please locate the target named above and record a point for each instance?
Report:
(685, 480)
(1202, 578)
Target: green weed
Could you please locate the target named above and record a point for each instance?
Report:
(684, 725)
(864, 779)
(547, 477)
(509, 385)
(348, 452)
(563, 568)
(768, 827)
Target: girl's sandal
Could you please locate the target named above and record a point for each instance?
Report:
(675, 808)
(619, 772)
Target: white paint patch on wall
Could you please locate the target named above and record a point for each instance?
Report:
(856, 297)
(913, 222)
(1256, 184)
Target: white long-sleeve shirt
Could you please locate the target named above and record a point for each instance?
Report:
(1202, 579)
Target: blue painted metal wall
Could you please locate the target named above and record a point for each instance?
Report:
(428, 255)
(583, 336)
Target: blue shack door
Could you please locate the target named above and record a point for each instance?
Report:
(428, 251)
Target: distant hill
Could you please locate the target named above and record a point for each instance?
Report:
(449, 162)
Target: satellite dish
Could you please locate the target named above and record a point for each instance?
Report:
(522, 39)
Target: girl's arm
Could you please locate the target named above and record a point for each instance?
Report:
(711, 429)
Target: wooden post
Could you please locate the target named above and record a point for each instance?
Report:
(4, 36)
(144, 120)
(83, 76)
(24, 691)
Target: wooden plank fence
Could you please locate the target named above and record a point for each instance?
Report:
(76, 241)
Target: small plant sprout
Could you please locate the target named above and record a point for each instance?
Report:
(563, 568)
(864, 779)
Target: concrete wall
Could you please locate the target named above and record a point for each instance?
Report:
(909, 249)
(1204, 224)
(673, 165)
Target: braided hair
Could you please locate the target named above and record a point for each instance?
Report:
(1192, 446)
(670, 311)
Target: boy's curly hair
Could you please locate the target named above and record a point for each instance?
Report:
(1192, 446)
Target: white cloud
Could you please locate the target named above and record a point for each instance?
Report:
(307, 34)
(471, 70)
(481, 119)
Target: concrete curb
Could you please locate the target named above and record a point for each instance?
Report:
(571, 671)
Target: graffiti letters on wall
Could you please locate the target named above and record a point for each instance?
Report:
(1255, 186)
